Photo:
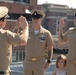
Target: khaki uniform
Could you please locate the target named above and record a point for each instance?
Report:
(7, 38)
(35, 52)
(70, 35)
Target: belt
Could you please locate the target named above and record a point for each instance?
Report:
(34, 58)
(2, 72)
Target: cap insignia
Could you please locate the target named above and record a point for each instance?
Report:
(35, 13)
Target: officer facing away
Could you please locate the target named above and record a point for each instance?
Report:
(8, 38)
(39, 39)
(70, 37)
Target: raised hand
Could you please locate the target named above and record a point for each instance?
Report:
(61, 23)
(22, 22)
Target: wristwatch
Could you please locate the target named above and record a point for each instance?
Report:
(48, 61)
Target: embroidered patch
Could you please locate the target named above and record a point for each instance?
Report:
(42, 37)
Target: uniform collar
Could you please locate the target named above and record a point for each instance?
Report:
(40, 30)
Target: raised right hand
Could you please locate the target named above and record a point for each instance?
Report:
(61, 23)
(22, 22)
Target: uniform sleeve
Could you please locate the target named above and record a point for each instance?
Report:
(65, 38)
(13, 38)
(49, 39)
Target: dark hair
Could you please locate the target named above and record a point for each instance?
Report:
(5, 17)
(59, 58)
(2, 19)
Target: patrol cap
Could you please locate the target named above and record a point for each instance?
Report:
(36, 14)
(3, 12)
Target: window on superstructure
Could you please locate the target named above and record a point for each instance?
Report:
(27, 1)
(24, 1)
